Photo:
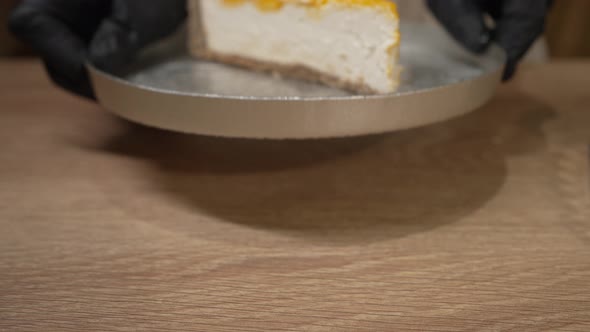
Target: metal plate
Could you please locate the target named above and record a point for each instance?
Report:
(167, 89)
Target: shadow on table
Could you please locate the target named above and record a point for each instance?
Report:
(342, 191)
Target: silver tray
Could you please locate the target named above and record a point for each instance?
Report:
(165, 88)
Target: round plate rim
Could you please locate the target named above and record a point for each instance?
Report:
(296, 117)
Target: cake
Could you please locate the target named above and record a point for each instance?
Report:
(349, 44)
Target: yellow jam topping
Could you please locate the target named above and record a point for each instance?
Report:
(274, 5)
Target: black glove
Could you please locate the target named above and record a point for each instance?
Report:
(67, 33)
(518, 23)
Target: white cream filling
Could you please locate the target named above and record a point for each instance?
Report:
(353, 43)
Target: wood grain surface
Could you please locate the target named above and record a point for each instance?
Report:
(568, 27)
(477, 224)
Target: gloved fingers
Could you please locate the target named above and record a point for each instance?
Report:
(464, 20)
(78, 83)
(62, 51)
(113, 45)
(520, 25)
(59, 31)
(131, 26)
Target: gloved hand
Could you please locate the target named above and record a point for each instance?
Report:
(518, 23)
(67, 33)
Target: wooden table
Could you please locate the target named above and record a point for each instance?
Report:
(481, 223)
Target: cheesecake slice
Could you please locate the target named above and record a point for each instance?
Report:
(349, 44)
